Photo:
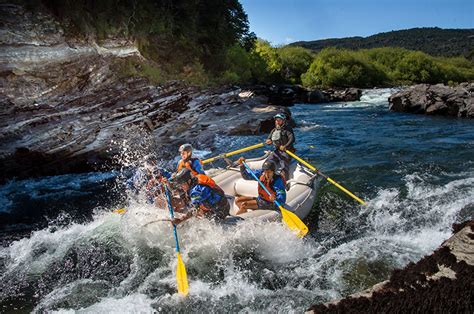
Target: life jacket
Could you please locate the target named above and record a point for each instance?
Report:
(203, 179)
(188, 164)
(207, 181)
(280, 136)
(269, 185)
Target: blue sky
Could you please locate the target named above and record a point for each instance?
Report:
(282, 22)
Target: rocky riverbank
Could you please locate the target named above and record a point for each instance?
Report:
(457, 101)
(441, 282)
(67, 107)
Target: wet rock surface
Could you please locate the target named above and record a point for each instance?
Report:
(65, 106)
(437, 99)
(441, 283)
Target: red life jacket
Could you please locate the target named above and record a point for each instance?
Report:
(269, 185)
(205, 180)
(188, 164)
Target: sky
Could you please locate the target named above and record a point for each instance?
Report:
(282, 22)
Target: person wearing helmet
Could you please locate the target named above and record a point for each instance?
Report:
(206, 197)
(274, 182)
(283, 138)
(188, 161)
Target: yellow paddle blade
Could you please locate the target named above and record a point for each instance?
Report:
(181, 277)
(120, 211)
(293, 222)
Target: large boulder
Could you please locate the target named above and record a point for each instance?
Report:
(441, 283)
(435, 100)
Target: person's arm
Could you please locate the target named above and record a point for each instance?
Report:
(291, 138)
(198, 195)
(280, 191)
(197, 166)
(177, 166)
(269, 137)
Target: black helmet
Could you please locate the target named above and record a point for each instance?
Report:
(269, 165)
(182, 176)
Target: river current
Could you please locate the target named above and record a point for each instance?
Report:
(415, 172)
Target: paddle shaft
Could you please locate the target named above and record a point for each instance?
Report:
(245, 149)
(326, 177)
(170, 207)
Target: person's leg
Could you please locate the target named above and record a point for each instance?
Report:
(240, 199)
(283, 165)
(246, 205)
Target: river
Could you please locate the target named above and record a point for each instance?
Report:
(416, 173)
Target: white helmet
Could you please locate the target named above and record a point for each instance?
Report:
(185, 147)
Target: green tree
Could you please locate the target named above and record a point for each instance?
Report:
(294, 62)
(238, 65)
(418, 67)
(342, 68)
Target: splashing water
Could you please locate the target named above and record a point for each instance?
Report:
(415, 173)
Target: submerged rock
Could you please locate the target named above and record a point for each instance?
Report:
(441, 282)
(437, 99)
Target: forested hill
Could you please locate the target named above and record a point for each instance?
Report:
(434, 41)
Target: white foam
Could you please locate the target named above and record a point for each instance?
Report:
(134, 303)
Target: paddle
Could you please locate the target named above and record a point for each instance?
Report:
(181, 278)
(326, 177)
(119, 211)
(245, 149)
(291, 220)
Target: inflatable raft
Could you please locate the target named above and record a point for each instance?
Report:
(301, 189)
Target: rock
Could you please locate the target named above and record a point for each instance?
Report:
(441, 282)
(287, 95)
(435, 100)
(65, 106)
(348, 94)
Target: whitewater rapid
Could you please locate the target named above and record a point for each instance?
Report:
(111, 263)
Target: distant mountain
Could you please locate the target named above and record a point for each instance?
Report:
(434, 41)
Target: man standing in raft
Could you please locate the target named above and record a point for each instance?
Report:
(282, 137)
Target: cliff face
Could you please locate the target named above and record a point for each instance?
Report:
(440, 283)
(66, 108)
(67, 105)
